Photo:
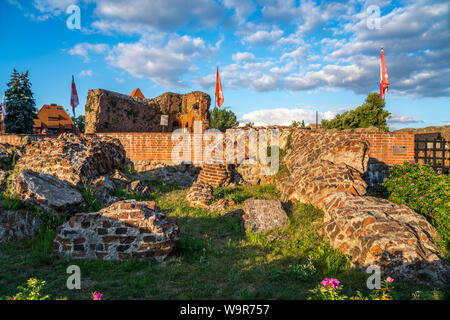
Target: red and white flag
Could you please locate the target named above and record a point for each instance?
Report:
(384, 79)
(3, 106)
(219, 93)
(74, 97)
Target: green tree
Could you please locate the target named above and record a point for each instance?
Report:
(298, 124)
(79, 122)
(371, 113)
(20, 105)
(222, 119)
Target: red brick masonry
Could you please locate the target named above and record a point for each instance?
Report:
(158, 146)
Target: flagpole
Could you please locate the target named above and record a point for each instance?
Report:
(215, 95)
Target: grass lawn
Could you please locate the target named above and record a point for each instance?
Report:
(214, 259)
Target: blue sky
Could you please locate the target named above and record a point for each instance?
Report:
(279, 60)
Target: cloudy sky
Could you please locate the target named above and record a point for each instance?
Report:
(279, 60)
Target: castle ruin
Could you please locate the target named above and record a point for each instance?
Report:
(108, 111)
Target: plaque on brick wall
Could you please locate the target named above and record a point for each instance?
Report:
(164, 120)
(398, 149)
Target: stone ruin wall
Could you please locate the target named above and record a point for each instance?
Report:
(108, 111)
(324, 168)
(151, 150)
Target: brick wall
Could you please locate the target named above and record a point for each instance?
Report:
(157, 146)
(21, 139)
(382, 144)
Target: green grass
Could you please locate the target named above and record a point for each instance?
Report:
(241, 193)
(214, 259)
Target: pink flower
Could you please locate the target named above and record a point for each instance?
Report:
(400, 188)
(335, 283)
(330, 281)
(421, 197)
(325, 282)
(97, 296)
(412, 184)
(389, 279)
(403, 175)
(413, 162)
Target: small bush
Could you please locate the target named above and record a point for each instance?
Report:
(33, 291)
(302, 271)
(423, 190)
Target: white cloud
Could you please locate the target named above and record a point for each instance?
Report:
(194, 47)
(86, 73)
(242, 8)
(83, 49)
(396, 118)
(164, 62)
(56, 7)
(162, 15)
(243, 56)
(283, 116)
(144, 61)
(15, 3)
(264, 37)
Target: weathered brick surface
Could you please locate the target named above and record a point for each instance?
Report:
(321, 163)
(18, 225)
(325, 169)
(378, 232)
(108, 111)
(200, 194)
(127, 229)
(146, 147)
(215, 174)
(221, 205)
(70, 157)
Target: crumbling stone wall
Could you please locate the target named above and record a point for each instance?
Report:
(126, 229)
(18, 225)
(70, 157)
(325, 169)
(378, 232)
(108, 111)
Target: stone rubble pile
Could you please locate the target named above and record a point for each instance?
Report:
(73, 158)
(263, 215)
(45, 191)
(18, 225)
(378, 232)
(325, 169)
(127, 229)
(200, 195)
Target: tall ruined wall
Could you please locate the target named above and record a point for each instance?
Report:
(108, 111)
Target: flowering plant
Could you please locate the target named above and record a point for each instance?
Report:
(329, 289)
(97, 296)
(426, 192)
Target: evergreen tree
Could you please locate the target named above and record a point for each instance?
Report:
(20, 105)
(371, 113)
(222, 119)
